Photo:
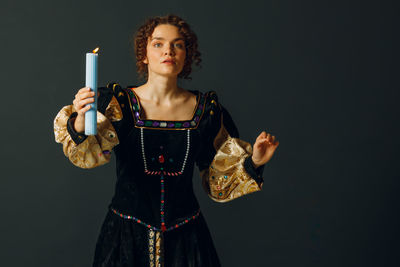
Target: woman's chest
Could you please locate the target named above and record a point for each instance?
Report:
(161, 150)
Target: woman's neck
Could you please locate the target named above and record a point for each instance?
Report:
(160, 89)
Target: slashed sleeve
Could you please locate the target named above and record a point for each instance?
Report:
(225, 163)
(93, 150)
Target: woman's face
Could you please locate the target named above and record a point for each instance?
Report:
(166, 43)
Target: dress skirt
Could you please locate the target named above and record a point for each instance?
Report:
(126, 243)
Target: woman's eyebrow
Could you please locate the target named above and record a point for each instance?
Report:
(161, 38)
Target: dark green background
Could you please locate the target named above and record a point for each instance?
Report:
(320, 75)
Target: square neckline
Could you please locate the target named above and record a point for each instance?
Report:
(167, 124)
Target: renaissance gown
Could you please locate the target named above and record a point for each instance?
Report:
(154, 218)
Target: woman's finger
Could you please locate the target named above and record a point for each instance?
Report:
(85, 95)
(84, 89)
(83, 110)
(86, 101)
(263, 134)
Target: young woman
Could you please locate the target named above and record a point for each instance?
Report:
(158, 132)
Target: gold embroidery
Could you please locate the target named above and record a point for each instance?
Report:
(151, 247)
(89, 153)
(159, 249)
(113, 110)
(229, 179)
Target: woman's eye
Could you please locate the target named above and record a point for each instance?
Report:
(179, 45)
(157, 44)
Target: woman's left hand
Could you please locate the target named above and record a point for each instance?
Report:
(263, 149)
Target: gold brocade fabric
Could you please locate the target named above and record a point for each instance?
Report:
(156, 249)
(159, 250)
(96, 149)
(226, 178)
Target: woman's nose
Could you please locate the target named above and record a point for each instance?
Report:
(169, 50)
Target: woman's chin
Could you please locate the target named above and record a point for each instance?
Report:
(167, 73)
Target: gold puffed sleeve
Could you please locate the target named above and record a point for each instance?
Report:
(231, 173)
(93, 150)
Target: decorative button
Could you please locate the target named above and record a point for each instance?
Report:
(212, 112)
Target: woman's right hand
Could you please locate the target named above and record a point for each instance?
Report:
(81, 105)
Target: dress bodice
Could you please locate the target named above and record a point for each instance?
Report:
(155, 159)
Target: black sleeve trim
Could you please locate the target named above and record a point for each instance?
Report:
(75, 136)
(104, 98)
(256, 174)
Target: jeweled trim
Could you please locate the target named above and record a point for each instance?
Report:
(130, 217)
(152, 249)
(163, 172)
(162, 217)
(166, 125)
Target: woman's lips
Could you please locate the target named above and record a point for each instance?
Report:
(169, 62)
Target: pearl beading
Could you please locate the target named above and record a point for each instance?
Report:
(142, 145)
(187, 150)
(162, 171)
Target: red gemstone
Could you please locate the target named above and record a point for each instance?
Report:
(163, 228)
(176, 226)
(161, 159)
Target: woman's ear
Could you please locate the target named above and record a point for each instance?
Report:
(145, 61)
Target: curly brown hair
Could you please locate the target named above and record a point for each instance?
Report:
(146, 30)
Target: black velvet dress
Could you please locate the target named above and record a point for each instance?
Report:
(154, 218)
